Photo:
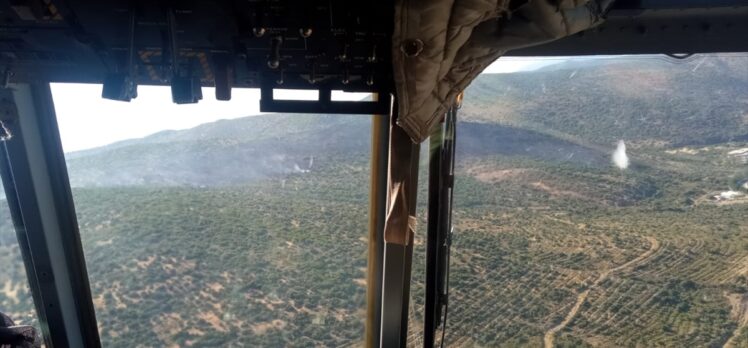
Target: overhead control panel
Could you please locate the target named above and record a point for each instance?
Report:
(323, 45)
(300, 44)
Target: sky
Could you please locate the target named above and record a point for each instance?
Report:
(86, 120)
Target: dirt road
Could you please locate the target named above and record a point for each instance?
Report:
(654, 245)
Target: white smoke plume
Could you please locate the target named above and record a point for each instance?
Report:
(620, 159)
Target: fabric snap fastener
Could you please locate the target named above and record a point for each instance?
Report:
(412, 47)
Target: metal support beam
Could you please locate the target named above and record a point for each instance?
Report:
(377, 210)
(438, 239)
(398, 247)
(431, 311)
(657, 27)
(324, 105)
(36, 182)
(23, 241)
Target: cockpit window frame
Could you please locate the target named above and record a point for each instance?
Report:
(38, 190)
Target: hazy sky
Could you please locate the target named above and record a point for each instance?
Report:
(86, 120)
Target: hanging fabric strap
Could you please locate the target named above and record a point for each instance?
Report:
(401, 184)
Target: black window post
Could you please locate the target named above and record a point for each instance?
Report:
(37, 186)
(398, 254)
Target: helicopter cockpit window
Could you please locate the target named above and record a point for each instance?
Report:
(601, 202)
(213, 225)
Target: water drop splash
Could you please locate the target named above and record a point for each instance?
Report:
(620, 159)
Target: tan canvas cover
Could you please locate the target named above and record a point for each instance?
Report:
(440, 46)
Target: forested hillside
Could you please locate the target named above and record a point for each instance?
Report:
(252, 232)
(645, 100)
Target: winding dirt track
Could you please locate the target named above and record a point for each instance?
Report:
(740, 309)
(654, 245)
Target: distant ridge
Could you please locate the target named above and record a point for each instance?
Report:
(561, 112)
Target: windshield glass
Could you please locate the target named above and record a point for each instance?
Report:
(601, 202)
(220, 227)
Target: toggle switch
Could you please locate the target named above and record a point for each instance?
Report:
(274, 59)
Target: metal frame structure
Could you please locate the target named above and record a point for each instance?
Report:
(398, 254)
(377, 210)
(658, 27)
(324, 104)
(37, 186)
(438, 232)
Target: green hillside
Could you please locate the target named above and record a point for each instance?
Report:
(251, 232)
(253, 148)
(645, 100)
(223, 152)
